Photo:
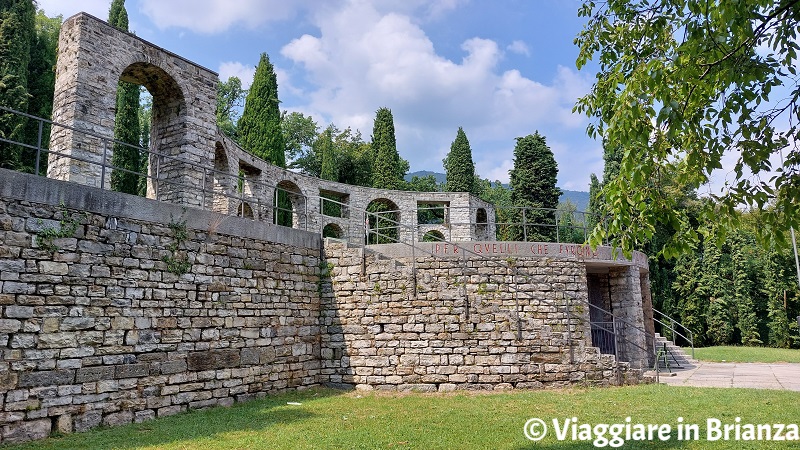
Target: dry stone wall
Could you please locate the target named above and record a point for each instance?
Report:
(100, 332)
(137, 309)
(499, 324)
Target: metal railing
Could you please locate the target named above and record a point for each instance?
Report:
(672, 330)
(249, 196)
(244, 191)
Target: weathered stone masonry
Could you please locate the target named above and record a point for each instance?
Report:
(100, 332)
(491, 326)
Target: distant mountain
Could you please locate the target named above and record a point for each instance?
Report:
(579, 198)
(440, 177)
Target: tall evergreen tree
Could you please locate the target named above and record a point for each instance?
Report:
(389, 168)
(17, 33)
(127, 155)
(459, 167)
(329, 170)
(41, 84)
(595, 207)
(260, 125)
(533, 185)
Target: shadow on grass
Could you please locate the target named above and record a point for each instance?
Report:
(196, 428)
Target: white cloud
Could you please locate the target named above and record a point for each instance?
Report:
(214, 16)
(497, 170)
(244, 72)
(97, 8)
(519, 48)
(364, 58)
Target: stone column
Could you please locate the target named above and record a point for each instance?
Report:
(626, 303)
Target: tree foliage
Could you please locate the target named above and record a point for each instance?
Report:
(230, 97)
(389, 168)
(260, 125)
(41, 85)
(459, 167)
(126, 155)
(680, 85)
(17, 35)
(329, 170)
(299, 133)
(352, 156)
(737, 292)
(533, 185)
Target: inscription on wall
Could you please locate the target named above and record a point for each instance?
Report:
(550, 249)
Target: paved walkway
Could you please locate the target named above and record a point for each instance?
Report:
(744, 375)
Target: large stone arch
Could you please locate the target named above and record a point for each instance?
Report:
(93, 58)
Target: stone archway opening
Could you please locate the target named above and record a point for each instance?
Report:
(289, 205)
(245, 210)
(383, 219)
(332, 230)
(165, 171)
(481, 224)
(433, 236)
(220, 182)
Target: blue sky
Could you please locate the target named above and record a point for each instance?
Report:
(500, 69)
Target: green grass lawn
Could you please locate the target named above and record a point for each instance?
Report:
(746, 354)
(349, 420)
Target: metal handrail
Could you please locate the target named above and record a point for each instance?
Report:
(672, 327)
(573, 224)
(380, 216)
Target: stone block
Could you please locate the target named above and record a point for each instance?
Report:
(26, 431)
(19, 312)
(171, 367)
(87, 421)
(9, 326)
(53, 268)
(46, 378)
(214, 359)
(77, 323)
(88, 374)
(64, 424)
(132, 370)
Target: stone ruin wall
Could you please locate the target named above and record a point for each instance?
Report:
(101, 333)
(377, 334)
(203, 166)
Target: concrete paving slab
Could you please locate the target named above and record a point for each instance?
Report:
(784, 376)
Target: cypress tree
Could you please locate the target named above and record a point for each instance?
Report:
(41, 84)
(260, 125)
(17, 32)
(329, 171)
(126, 123)
(389, 169)
(459, 167)
(533, 185)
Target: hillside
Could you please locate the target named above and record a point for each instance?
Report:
(579, 198)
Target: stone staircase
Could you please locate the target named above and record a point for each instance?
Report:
(676, 357)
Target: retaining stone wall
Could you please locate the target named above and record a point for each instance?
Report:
(377, 334)
(100, 332)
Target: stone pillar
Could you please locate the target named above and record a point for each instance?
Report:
(647, 312)
(93, 58)
(626, 303)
